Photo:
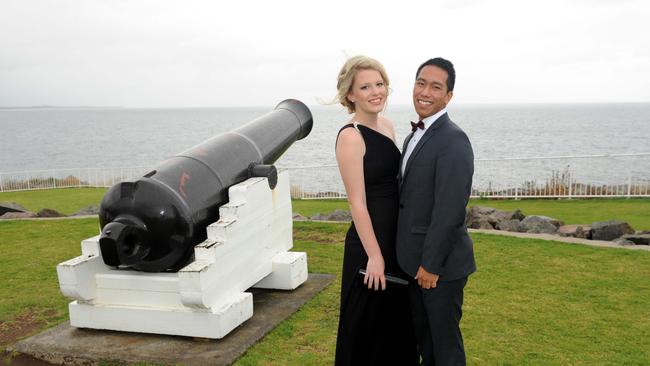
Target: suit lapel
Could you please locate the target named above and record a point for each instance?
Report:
(427, 135)
(401, 159)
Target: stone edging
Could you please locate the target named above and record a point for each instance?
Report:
(561, 239)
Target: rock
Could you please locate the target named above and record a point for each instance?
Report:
(298, 217)
(337, 215)
(480, 217)
(482, 223)
(48, 212)
(87, 211)
(623, 242)
(510, 225)
(340, 215)
(11, 207)
(539, 224)
(476, 217)
(318, 216)
(17, 215)
(638, 239)
(610, 230)
(575, 231)
(497, 216)
(642, 232)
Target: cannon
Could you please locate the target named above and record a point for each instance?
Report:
(152, 223)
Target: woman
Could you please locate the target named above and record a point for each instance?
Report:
(375, 324)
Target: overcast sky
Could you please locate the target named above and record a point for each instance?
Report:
(256, 53)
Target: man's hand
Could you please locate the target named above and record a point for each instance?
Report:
(425, 279)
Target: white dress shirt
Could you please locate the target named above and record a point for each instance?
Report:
(417, 135)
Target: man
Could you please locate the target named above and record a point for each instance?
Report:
(432, 241)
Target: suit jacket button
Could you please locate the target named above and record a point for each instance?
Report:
(401, 205)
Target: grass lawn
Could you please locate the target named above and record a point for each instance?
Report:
(64, 200)
(530, 303)
(635, 211)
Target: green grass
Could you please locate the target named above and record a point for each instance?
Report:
(29, 253)
(635, 211)
(311, 207)
(531, 302)
(64, 200)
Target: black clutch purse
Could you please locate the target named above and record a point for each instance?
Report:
(389, 278)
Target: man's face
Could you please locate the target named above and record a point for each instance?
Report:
(430, 94)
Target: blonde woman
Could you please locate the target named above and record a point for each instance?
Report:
(375, 326)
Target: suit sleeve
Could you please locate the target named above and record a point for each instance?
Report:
(453, 184)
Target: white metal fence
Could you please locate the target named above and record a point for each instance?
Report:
(618, 175)
(66, 178)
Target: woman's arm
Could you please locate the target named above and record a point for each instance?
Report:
(350, 150)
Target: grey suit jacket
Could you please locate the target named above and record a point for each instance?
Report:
(434, 192)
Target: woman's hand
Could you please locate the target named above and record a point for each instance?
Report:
(375, 273)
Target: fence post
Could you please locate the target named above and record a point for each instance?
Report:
(516, 193)
(570, 187)
(629, 185)
(2, 187)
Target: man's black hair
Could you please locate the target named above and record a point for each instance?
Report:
(443, 64)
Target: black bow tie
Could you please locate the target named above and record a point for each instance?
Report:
(415, 126)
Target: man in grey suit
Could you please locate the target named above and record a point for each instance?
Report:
(432, 241)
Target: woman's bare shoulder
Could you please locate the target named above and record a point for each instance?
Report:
(348, 135)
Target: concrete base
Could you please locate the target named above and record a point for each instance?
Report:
(66, 345)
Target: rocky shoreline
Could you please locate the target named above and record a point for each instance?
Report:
(477, 217)
(489, 218)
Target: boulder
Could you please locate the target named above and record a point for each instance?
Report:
(11, 207)
(340, 215)
(318, 216)
(476, 217)
(509, 225)
(337, 215)
(498, 216)
(575, 231)
(638, 239)
(87, 211)
(539, 224)
(298, 217)
(48, 212)
(610, 230)
(623, 242)
(482, 223)
(17, 215)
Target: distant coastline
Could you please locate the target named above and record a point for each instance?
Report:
(59, 107)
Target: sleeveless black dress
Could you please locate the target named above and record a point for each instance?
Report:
(375, 327)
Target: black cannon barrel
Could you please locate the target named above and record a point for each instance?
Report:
(153, 223)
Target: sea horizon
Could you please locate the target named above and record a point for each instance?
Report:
(315, 105)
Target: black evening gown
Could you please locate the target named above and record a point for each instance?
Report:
(375, 327)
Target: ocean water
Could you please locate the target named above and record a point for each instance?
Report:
(38, 139)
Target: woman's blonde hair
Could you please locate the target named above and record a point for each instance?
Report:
(348, 73)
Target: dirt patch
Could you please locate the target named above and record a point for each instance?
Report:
(21, 326)
(20, 359)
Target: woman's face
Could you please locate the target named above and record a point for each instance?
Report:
(368, 91)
